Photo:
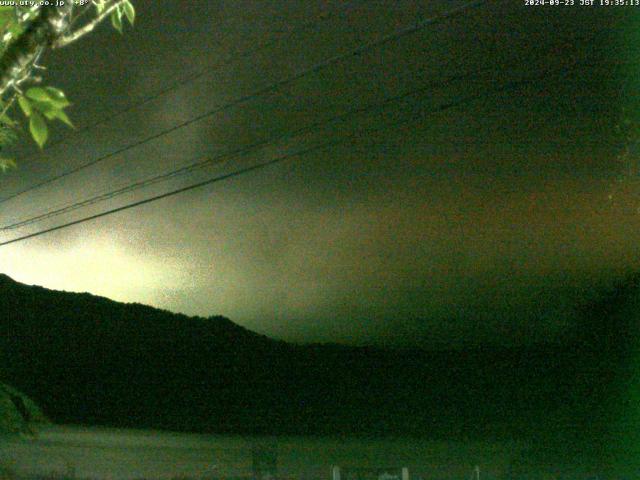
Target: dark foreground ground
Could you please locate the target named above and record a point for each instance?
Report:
(85, 453)
(90, 361)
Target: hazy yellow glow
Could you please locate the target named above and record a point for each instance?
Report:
(295, 270)
(97, 264)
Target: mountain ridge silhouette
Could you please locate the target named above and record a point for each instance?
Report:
(90, 360)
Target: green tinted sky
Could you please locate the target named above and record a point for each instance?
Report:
(486, 222)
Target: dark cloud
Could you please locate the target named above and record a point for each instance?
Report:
(487, 222)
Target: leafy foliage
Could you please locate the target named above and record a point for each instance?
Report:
(126, 10)
(116, 20)
(10, 26)
(130, 12)
(8, 133)
(38, 128)
(40, 104)
(44, 104)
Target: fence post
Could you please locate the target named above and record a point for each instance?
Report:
(335, 473)
(405, 473)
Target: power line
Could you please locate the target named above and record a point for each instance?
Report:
(274, 86)
(109, 194)
(241, 151)
(106, 194)
(192, 77)
(350, 138)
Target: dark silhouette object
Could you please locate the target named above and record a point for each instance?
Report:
(18, 414)
(22, 409)
(89, 360)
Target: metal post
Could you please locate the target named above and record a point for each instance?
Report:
(335, 473)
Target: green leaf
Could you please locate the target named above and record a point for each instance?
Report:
(8, 135)
(16, 29)
(38, 129)
(37, 93)
(129, 11)
(48, 95)
(59, 115)
(57, 95)
(99, 4)
(7, 14)
(116, 19)
(25, 105)
(8, 130)
(6, 120)
(7, 164)
(42, 107)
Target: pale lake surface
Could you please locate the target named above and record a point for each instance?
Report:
(131, 454)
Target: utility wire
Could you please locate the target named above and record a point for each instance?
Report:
(201, 162)
(208, 70)
(239, 152)
(107, 194)
(323, 146)
(274, 86)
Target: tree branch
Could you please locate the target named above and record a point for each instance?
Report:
(42, 32)
(88, 28)
(76, 18)
(8, 105)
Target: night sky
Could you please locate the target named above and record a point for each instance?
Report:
(486, 222)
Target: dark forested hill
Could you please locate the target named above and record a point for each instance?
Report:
(90, 360)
